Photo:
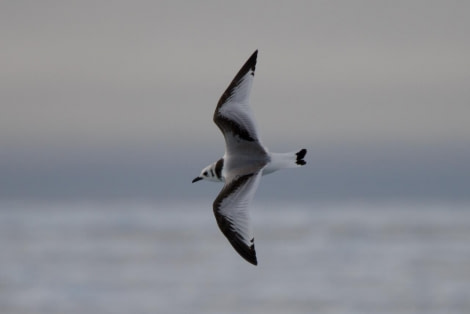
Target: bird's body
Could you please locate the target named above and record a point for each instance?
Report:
(244, 162)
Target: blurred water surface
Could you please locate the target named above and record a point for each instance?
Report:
(169, 257)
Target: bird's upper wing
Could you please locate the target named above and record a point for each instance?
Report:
(232, 215)
(234, 116)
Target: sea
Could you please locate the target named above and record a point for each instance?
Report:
(168, 256)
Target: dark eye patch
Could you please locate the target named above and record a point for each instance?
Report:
(205, 173)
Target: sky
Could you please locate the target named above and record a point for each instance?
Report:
(115, 98)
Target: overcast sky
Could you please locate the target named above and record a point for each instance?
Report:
(94, 79)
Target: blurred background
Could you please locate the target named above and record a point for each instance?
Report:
(106, 117)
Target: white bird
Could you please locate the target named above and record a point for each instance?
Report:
(245, 160)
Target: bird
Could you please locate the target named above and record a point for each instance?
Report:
(245, 160)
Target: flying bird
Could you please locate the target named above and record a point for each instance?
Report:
(245, 160)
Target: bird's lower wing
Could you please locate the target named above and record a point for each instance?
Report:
(232, 214)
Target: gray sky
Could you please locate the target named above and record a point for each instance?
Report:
(86, 84)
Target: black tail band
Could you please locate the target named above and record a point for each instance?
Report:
(300, 157)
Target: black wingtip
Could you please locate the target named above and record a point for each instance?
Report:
(249, 256)
(251, 63)
(247, 252)
(252, 257)
(300, 157)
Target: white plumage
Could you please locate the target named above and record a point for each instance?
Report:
(244, 162)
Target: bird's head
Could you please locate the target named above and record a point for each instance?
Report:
(208, 173)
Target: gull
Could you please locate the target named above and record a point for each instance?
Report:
(245, 160)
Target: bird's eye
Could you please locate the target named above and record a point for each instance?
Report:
(205, 173)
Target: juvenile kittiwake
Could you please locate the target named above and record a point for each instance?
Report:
(245, 160)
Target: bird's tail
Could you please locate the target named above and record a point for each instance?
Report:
(299, 157)
(286, 160)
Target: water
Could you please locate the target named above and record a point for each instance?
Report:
(169, 257)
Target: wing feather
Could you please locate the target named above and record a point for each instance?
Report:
(232, 215)
(233, 114)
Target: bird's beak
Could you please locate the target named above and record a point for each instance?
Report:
(197, 179)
